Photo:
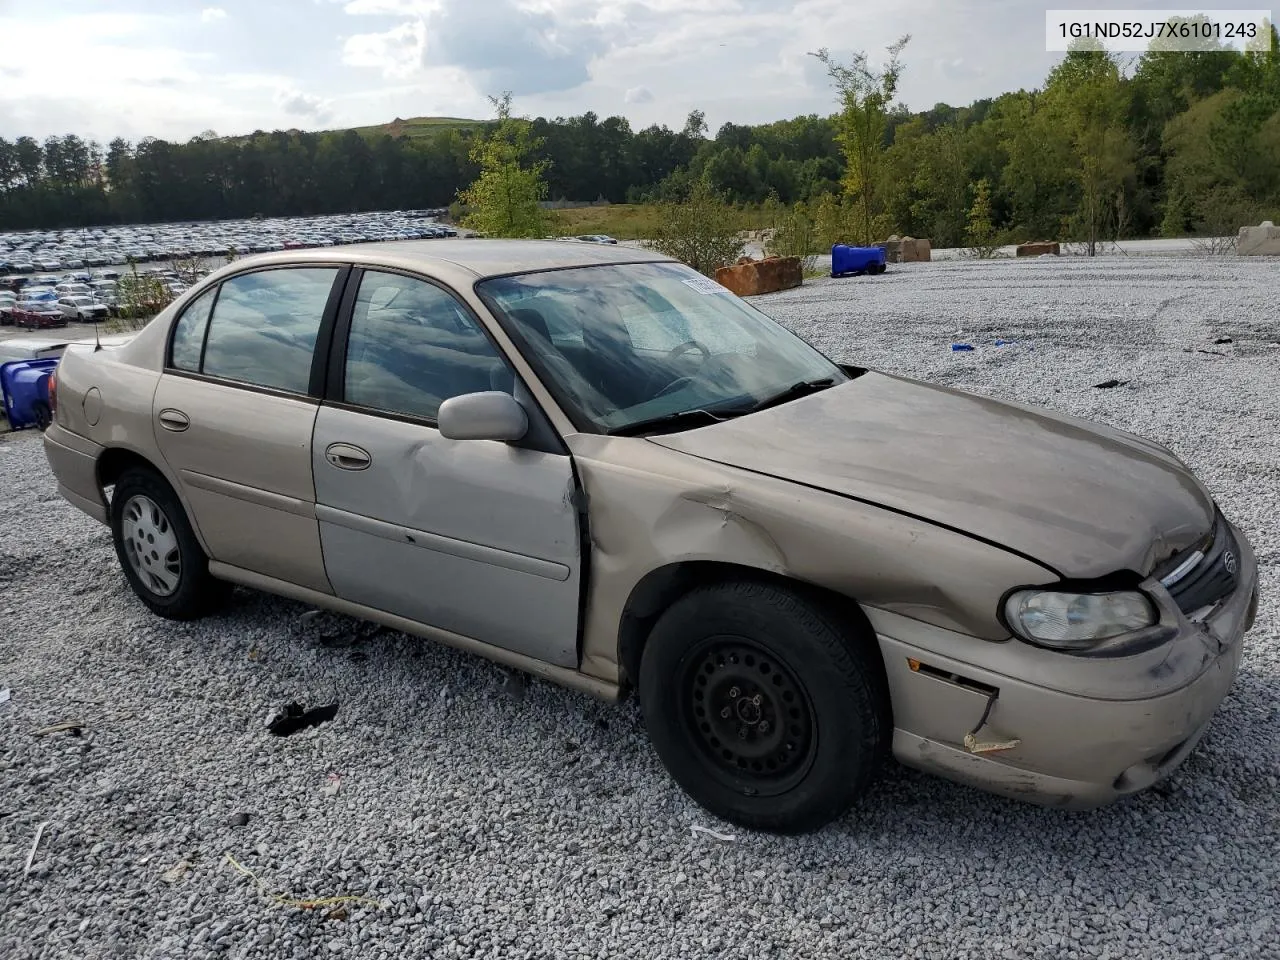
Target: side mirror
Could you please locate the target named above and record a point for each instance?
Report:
(490, 415)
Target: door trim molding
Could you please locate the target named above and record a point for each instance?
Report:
(255, 495)
(465, 549)
(565, 676)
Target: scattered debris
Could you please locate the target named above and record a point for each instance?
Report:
(302, 904)
(1001, 342)
(5, 694)
(238, 820)
(35, 845)
(338, 913)
(74, 727)
(696, 829)
(957, 347)
(331, 784)
(295, 717)
(1108, 384)
(515, 684)
(255, 654)
(176, 872)
(1223, 340)
(336, 631)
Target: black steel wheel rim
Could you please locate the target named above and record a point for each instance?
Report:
(748, 715)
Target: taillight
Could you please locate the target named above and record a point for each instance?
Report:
(53, 392)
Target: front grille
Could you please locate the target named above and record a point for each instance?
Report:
(1205, 573)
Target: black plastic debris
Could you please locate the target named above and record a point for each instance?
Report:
(295, 717)
(1108, 384)
(1223, 340)
(238, 820)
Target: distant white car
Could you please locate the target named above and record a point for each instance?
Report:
(83, 309)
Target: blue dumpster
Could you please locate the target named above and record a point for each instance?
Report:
(848, 261)
(24, 385)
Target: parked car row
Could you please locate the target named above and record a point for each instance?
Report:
(55, 250)
(83, 297)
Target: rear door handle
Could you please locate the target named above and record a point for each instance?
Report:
(174, 420)
(347, 456)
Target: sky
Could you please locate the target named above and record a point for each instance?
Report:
(175, 68)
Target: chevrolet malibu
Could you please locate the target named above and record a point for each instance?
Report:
(592, 464)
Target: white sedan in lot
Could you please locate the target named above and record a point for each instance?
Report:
(82, 309)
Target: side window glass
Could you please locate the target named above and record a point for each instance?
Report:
(264, 327)
(188, 332)
(412, 346)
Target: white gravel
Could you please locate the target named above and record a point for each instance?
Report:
(498, 824)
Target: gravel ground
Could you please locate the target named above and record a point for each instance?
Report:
(495, 821)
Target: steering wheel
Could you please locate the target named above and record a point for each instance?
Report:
(675, 353)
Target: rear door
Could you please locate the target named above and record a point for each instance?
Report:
(476, 537)
(234, 413)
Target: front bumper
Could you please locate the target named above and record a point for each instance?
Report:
(1074, 749)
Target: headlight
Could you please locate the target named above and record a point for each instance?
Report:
(1076, 621)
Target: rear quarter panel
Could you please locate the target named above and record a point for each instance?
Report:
(122, 393)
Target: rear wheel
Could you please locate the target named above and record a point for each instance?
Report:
(768, 708)
(42, 414)
(158, 550)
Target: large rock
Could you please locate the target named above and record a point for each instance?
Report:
(906, 249)
(1038, 248)
(1259, 241)
(747, 278)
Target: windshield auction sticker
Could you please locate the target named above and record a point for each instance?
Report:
(704, 285)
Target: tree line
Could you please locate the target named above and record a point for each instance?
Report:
(1168, 144)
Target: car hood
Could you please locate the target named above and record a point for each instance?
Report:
(1080, 498)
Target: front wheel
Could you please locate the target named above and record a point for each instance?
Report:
(158, 550)
(765, 705)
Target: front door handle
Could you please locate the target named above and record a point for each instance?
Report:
(347, 456)
(174, 420)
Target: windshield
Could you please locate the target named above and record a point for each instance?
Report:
(624, 344)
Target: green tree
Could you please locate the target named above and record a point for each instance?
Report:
(504, 200)
(701, 230)
(1090, 102)
(980, 231)
(865, 96)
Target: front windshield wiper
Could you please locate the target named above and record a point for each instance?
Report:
(677, 421)
(801, 388)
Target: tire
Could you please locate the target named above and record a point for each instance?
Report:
(42, 415)
(767, 707)
(171, 572)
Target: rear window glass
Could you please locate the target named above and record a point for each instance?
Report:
(265, 324)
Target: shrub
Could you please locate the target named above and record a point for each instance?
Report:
(702, 231)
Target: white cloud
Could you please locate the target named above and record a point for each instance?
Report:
(212, 14)
(308, 106)
(639, 95)
(397, 52)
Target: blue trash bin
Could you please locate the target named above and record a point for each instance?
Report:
(24, 385)
(850, 261)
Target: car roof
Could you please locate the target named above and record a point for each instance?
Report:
(476, 256)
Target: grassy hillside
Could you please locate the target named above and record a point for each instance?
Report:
(625, 221)
(635, 221)
(417, 126)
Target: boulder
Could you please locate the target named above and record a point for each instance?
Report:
(752, 277)
(1260, 241)
(906, 249)
(1038, 248)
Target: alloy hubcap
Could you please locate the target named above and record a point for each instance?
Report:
(151, 545)
(748, 714)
